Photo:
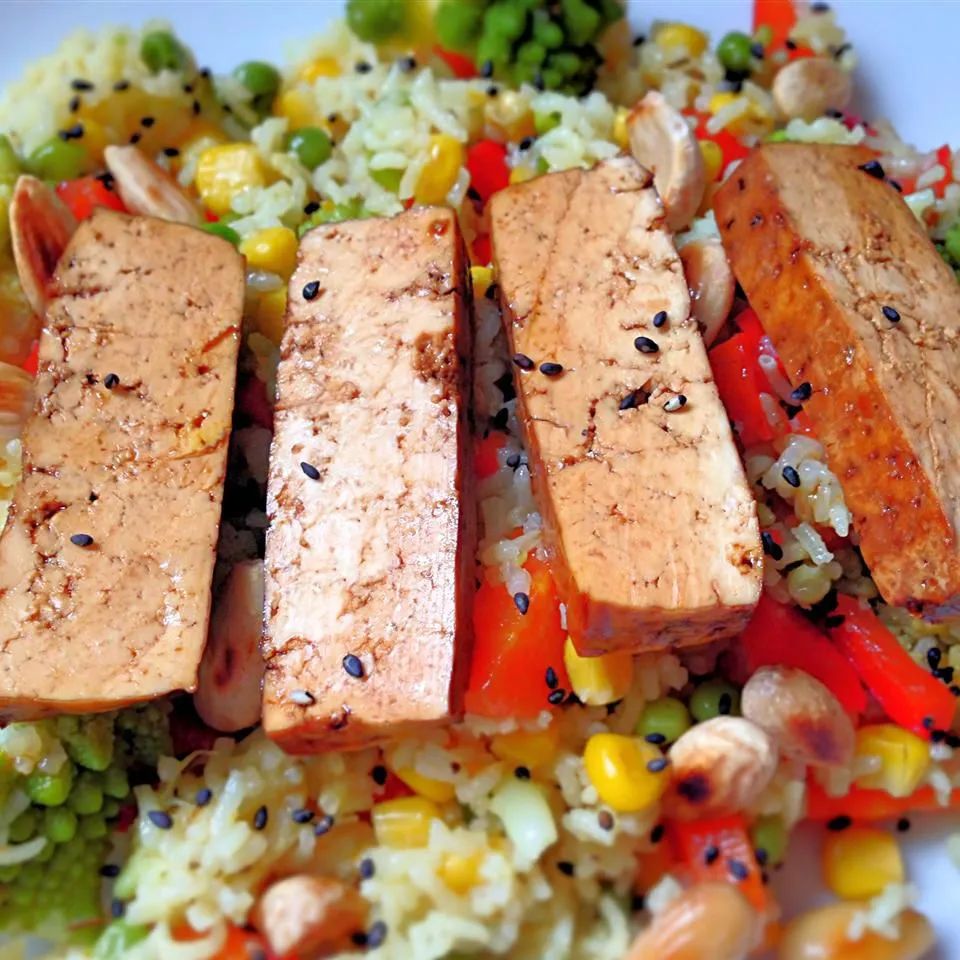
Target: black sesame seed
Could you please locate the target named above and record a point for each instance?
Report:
(366, 868)
(938, 736)
(147, 122)
(312, 207)
(841, 50)
(117, 908)
(819, 7)
(378, 932)
(629, 401)
(903, 825)
(659, 319)
(106, 178)
(724, 704)
(111, 380)
(944, 673)
(927, 723)
(833, 113)
(81, 540)
(171, 152)
(205, 73)
(762, 856)
(675, 403)
(657, 833)
(790, 45)
(738, 870)
(551, 369)
(551, 678)
(407, 64)
(81, 85)
(311, 289)
(187, 88)
(493, 90)
(513, 461)
(873, 168)
(955, 690)
(637, 902)
(195, 108)
(605, 820)
(840, 822)
(526, 143)
(359, 938)
(302, 815)
(896, 185)
(203, 797)
(379, 774)
(757, 51)
(646, 345)
(474, 194)
(499, 420)
(486, 69)
(953, 740)
(353, 666)
(121, 85)
(933, 657)
(538, 82)
(74, 104)
(791, 476)
(711, 854)
(160, 819)
(565, 867)
(657, 739)
(135, 138)
(892, 314)
(72, 133)
(658, 764)
(557, 696)
(363, 67)
(323, 825)
(109, 870)
(835, 621)
(522, 601)
(795, 565)
(260, 818)
(770, 546)
(522, 773)
(310, 470)
(522, 361)
(803, 393)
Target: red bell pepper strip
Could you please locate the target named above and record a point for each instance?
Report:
(485, 459)
(487, 163)
(463, 68)
(84, 195)
(779, 15)
(909, 694)
(481, 250)
(512, 651)
(867, 805)
(778, 635)
(719, 849)
(33, 359)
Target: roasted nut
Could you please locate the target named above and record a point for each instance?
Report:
(148, 189)
(711, 285)
(40, 229)
(801, 714)
(712, 921)
(661, 140)
(720, 765)
(823, 934)
(307, 916)
(809, 87)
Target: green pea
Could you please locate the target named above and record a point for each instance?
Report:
(769, 835)
(87, 795)
(24, 827)
(734, 52)
(9, 874)
(312, 146)
(111, 808)
(531, 53)
(93, 827)
(951, 243)
(545, 122)
(566, 62)
(160, 50)
(506, 20)
(374, 20)
(46, 854)
(115, 783)
(260, 78)
(666, 717)
(9, 161)
(547, 33)
(581, 21)
(714, 698)
(50, 789)
(59, 824)
(90, 743)
(552, 78)
(223, 230)
(457, 24)
(389, 179)
(57, 159)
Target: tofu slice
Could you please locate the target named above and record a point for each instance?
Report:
(136, 465)
(371, 546)
(646, 507)
(821, 248)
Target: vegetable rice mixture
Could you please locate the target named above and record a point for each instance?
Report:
(531, 446)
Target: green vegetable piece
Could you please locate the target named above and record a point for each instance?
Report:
(666, 717)
(768, 834)
(457, 24)
(493, 48)
(24, 827)
(223, 230)
(611, 11)
(8, 875)
(389, 179)
(763, 35)
(160, 50)
(57, 159)
(261, 79)
(115, 783)
(9, 162)
(117, 938)
(50, 789)
(714, 698)
(565, 62)
(111, 808)
(89, 743)
(581, 21)
(375, 20)
(951, 243)
(349, 210)
(59, 824)
(87, 794)
(778, 136)
(552, 78)
(543, 165)
(734, 52)
(505, 19)
(93, 827)
(531, 53)
(547, 33)
(312, 146)
(545, 122)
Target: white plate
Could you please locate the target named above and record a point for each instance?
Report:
(908, 61)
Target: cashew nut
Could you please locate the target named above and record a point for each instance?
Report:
(720, 765)
(712, 921)
(801, 714)
(40, 229)
(809, 87)
(661, 140)
(147, 188)
(711, 285)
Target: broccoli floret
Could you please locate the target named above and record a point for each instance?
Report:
(143, 734)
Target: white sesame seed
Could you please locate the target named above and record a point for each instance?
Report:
(675, 403)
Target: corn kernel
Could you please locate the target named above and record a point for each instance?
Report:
(404, 823)
(445, 157)
(529, 748)
(904, 758)
(269, 312)
(460, 873)
(673, 35)
(273, 249)
(712, 159)
(522, 174)
(721, 99)
(439, 791)
(860, 862)
(297, 106)
(598, 681)
(480, 278)
(618, 768)
(321, 67)
(621, 132)
(227, 170)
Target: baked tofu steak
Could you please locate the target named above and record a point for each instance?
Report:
(371, 546)
(107, 557)
(860, 305)
(644, 497)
